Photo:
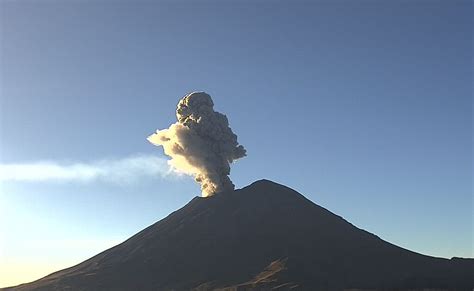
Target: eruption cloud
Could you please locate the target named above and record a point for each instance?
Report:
(201, 143)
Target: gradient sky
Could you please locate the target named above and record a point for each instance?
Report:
(364, 107)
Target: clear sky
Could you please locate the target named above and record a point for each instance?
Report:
(364, 107)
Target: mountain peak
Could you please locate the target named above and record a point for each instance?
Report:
(262, 236)
(263, 182)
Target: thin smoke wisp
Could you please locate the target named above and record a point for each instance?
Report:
(117, 171)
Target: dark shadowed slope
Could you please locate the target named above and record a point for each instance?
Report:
(264, 236)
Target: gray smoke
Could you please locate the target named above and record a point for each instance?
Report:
(201, 143)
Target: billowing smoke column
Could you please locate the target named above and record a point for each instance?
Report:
(201, 143)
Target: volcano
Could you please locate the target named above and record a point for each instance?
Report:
(262, 237)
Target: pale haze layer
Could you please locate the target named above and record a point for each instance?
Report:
(201, 143)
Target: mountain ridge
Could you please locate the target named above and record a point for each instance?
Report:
(263, 236)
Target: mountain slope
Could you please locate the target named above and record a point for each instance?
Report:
(264, 236)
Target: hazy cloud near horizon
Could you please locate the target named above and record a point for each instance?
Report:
(117, 171)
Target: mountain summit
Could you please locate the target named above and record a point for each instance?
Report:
(262, 237)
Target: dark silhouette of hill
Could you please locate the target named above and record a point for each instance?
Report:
(262, 237)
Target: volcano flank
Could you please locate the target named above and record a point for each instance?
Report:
(262, 237)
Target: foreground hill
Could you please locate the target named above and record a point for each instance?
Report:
(262, 237)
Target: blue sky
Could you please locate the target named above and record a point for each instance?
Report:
(364, 107)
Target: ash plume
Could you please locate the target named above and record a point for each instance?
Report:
(201, 143)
